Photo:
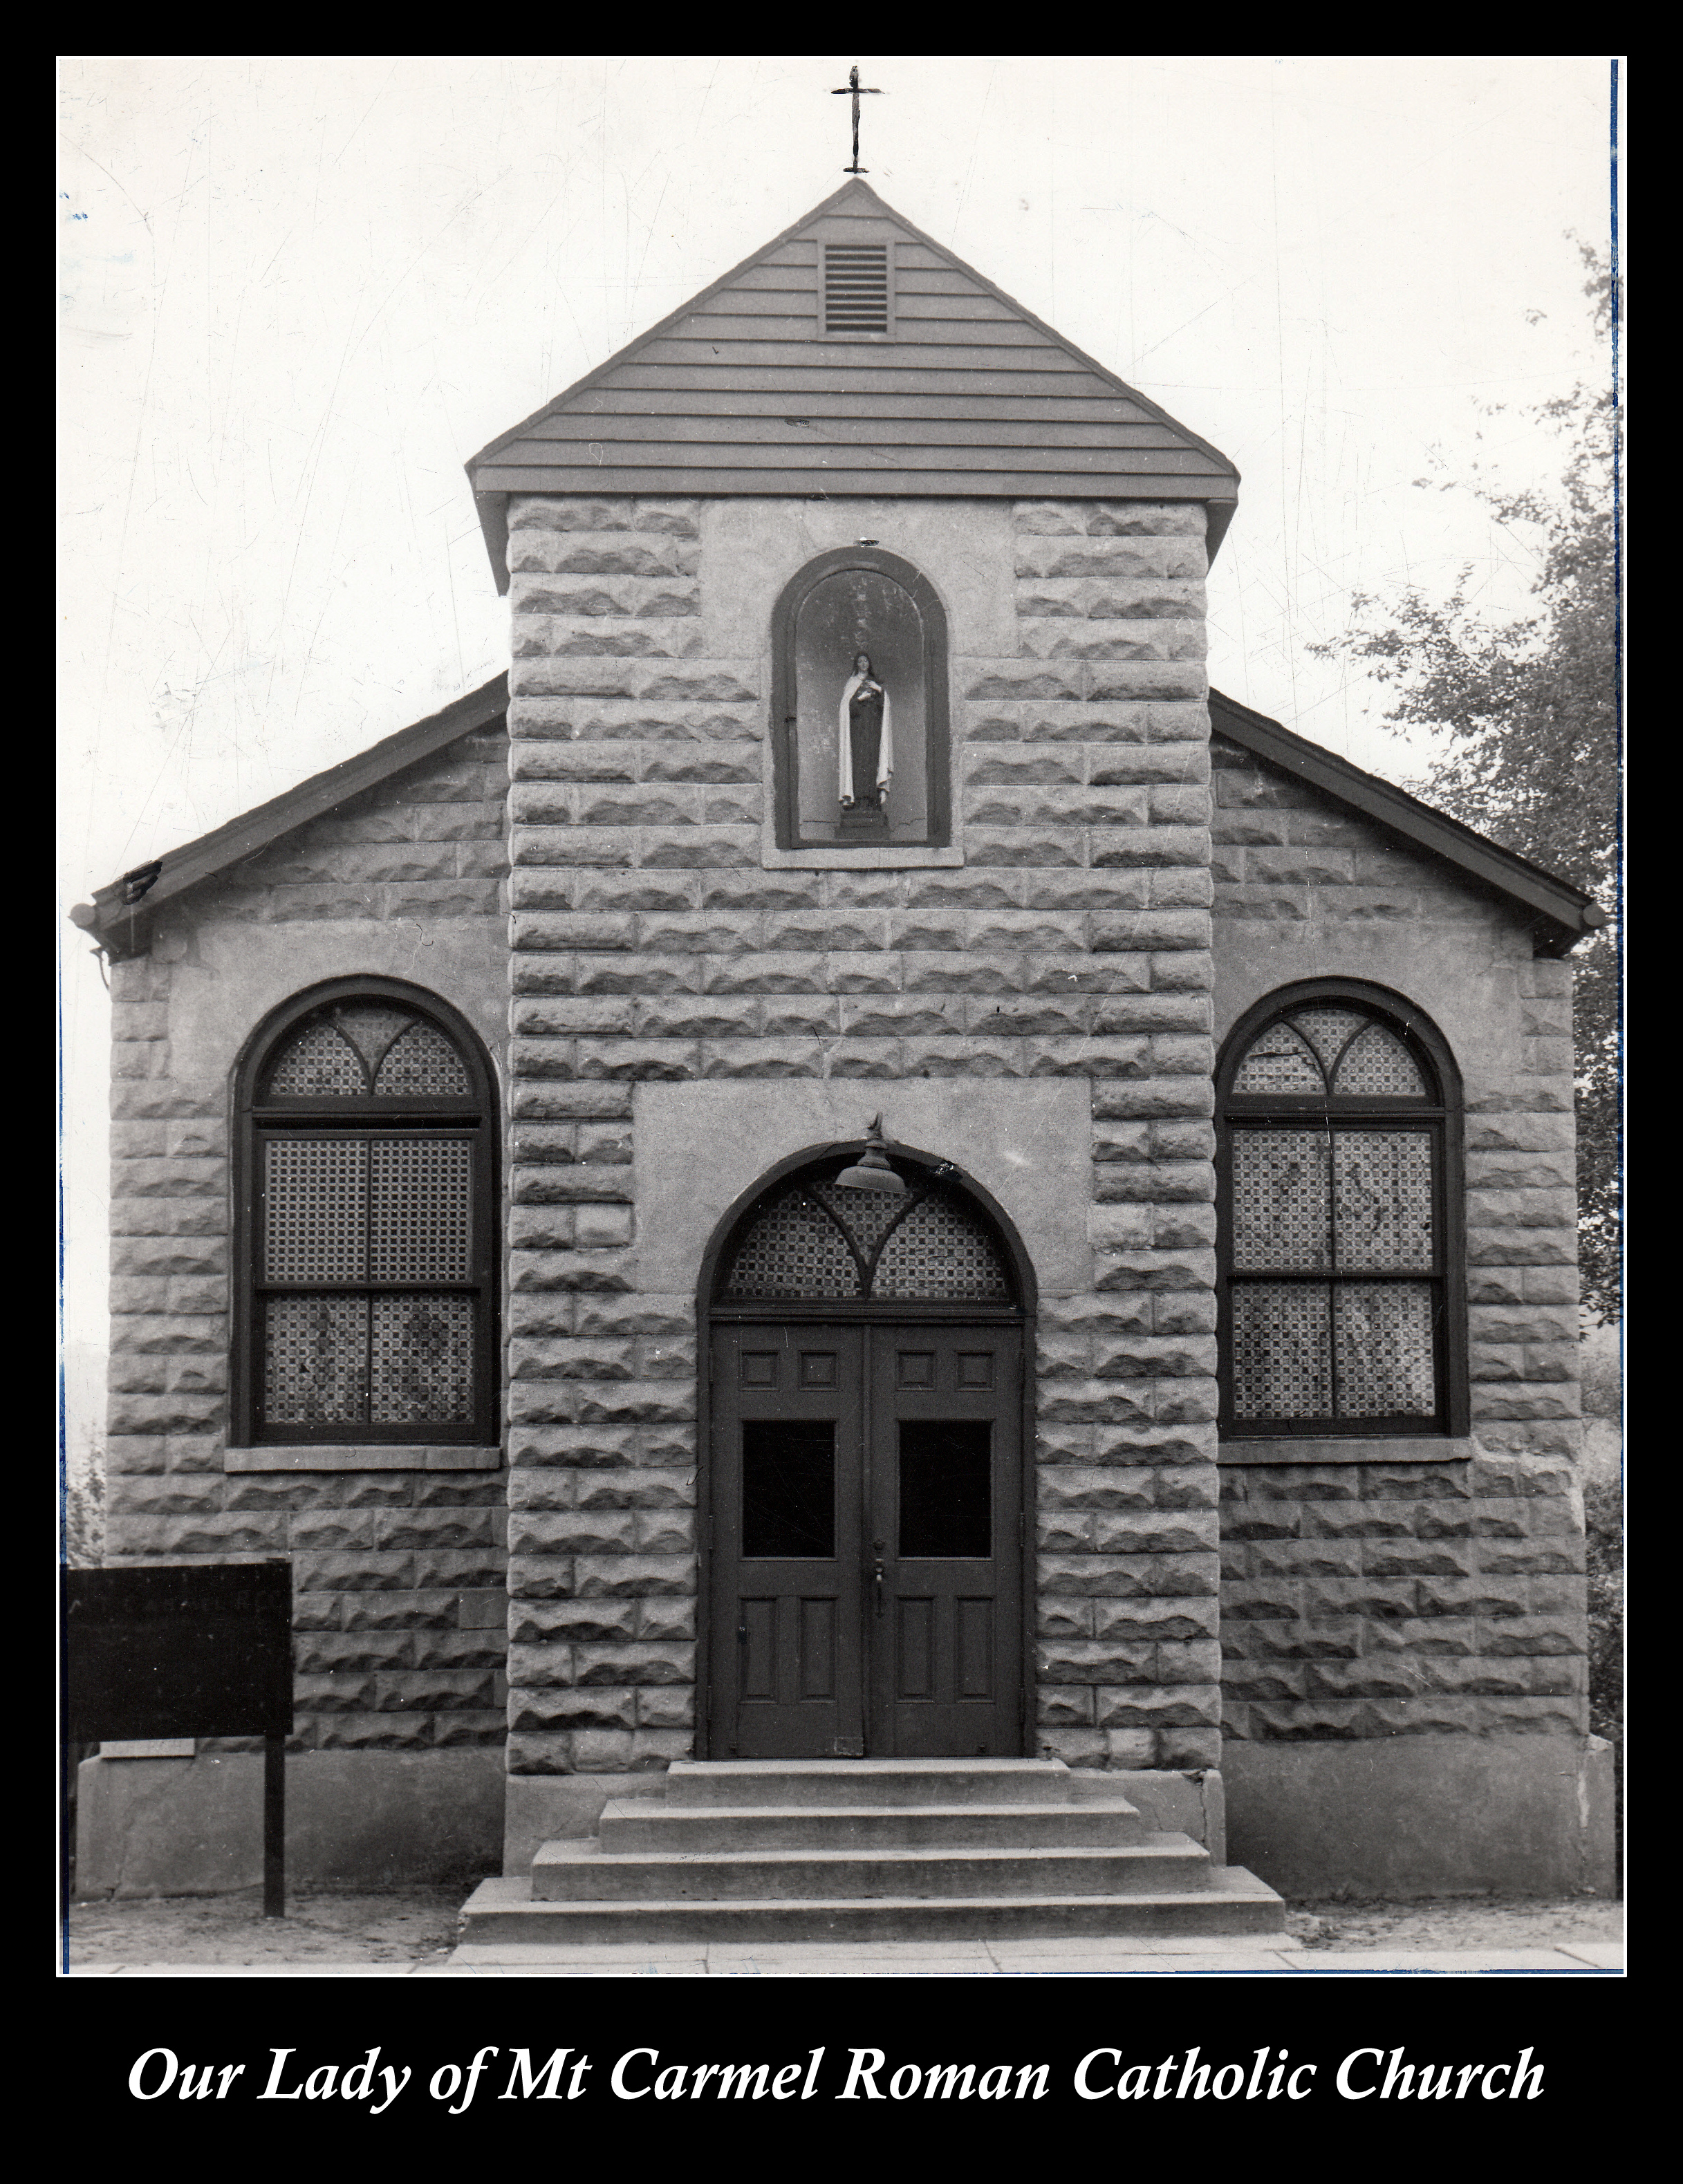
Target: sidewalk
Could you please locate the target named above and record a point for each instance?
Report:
(413, 1934)
(914, 1960)
(416, 1934)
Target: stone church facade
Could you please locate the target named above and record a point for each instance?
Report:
(1232, 1087)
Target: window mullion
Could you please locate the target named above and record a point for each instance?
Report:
(370, 1149)
(1334, 1408)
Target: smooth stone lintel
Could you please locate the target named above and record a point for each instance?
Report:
(870, 856)
(391, 1455)
(1410, 1448)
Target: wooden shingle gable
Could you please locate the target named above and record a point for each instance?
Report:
(750, 387)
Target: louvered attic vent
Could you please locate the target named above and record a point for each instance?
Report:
(856, 288)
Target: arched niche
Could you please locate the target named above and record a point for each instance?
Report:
(859, 599)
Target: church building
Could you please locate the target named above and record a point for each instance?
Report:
(848, 1166)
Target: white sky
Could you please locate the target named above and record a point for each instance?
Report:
(297, 293)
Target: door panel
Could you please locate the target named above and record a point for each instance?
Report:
(945, 1498)
(784, 1582)
(864, 1584)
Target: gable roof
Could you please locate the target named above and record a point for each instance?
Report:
(118, 916)
(1560, 914)
(740, 391)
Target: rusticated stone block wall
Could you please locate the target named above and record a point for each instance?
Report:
(1378, 1599)
(398, 1576)
(649, 941)
(1375, 1600)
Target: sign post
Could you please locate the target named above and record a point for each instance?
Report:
(187, 1649)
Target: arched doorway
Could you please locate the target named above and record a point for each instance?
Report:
(866, 1437)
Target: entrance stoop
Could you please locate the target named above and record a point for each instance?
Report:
(854, 1850)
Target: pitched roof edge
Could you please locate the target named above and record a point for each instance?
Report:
(1567, 908)
(1063, 342)
(494, 520)
(652, 333)
(119, 913)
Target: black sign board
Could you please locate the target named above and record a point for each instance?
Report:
(179, 1650)
(192, 1649)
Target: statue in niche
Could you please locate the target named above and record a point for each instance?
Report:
(864, 740)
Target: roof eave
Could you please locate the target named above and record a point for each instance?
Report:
(120, 916)
(493, 505)
(1559, 914)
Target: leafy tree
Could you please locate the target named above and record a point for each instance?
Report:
(1530, 709)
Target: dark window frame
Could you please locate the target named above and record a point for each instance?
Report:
(1440, 1115)
(937, 737)
(472, 1119)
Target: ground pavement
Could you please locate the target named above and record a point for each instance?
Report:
(412, 1934)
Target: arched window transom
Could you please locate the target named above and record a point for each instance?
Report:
(368, 1290)
(1340, 1262)
(812, 1240)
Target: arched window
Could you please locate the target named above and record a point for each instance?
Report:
(1342, 1290)
(366, 1289)
(859, 752)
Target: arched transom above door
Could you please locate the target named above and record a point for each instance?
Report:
(810, 1238)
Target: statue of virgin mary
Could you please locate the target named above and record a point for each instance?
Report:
(865, 737)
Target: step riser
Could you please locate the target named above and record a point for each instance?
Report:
(832, 1782)
(690, 1834)
(567, 1926)
(610, 1881)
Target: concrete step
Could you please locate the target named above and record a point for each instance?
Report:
(505, 1912)
(873, 1782)
(580, 1871)
(631, 1824)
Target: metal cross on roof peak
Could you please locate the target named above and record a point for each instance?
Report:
(857, 91)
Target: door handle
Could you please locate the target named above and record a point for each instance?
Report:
(879, 1576)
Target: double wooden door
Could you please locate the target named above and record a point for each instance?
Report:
(865, 1570)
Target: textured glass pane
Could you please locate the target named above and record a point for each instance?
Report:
(793, 1250)
(939, 1252)
(1329, 1031)
(788, 1487)
(1382, 1201)
(867, 1216)
(1282, 1201)
(947, 1488)
(422, 1364)
(421, 1064)
(315, 1198)
(1379, 1065)
(314, 1361)
(1282, 1364)
(371, 1027)
(1384, 1343)
(419, 1209)
(315, 1064)
(1279, 1061)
